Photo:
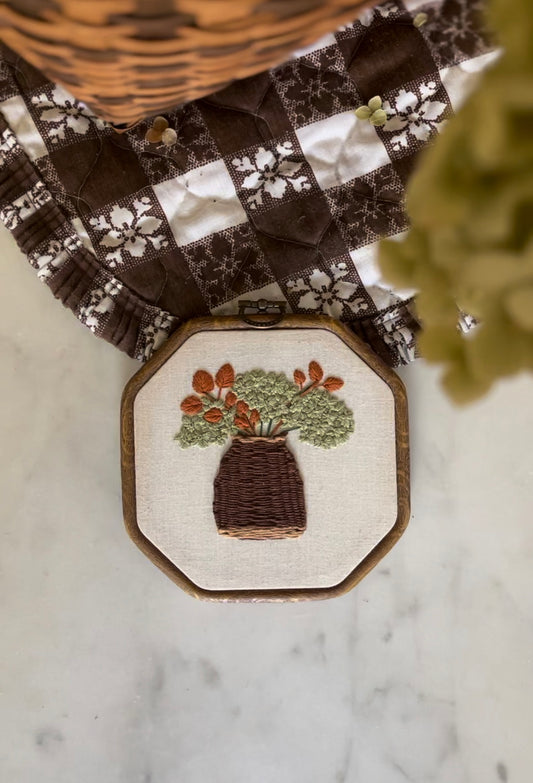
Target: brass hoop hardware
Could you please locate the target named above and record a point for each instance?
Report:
(268, 313)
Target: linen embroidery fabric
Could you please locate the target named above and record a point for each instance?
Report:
(272, 188)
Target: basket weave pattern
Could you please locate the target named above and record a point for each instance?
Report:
(129, 59)
(259, 491)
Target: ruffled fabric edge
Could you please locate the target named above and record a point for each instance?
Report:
(54, 249)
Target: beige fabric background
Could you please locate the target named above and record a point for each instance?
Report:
(350, 491)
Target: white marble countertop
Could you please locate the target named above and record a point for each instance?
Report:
(111, 674)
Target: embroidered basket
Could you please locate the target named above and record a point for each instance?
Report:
(265, 458)
(259, 490)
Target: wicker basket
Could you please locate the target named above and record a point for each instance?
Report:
(129, 59)
(259, 491)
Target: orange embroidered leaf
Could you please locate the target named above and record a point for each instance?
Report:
(213, 415)
(203, 382)
(332, 384)
(242, 407)
(254, 417)
(299, 377)
(241, 422)
(316, 373)
(225, 377)
(191, 405)
(231, 399)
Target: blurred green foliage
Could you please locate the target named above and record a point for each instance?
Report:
(470, 202)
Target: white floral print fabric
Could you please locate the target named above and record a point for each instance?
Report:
(129, 231)
(271, 172)
(154, 334)
(20, 209)
(8, 142)
(384, 11)
(413, 115)
(59, 111)
(100, 303)
(51, 258)
(328, 292)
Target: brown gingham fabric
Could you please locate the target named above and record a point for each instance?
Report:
(273, 188)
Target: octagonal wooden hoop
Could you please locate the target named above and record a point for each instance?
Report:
(224, 323)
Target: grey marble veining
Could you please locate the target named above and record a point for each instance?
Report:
(111, 674)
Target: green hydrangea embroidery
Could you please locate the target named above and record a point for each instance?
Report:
(268, 392)
(264, 404)
(198, 431)
(320, 419)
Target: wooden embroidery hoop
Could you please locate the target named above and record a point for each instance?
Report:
(264, 318)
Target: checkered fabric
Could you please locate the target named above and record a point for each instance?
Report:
(273, 188)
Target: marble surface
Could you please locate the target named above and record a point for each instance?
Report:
(110, 673)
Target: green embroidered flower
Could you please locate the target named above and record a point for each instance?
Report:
(372, 112)
(269, 392)
(322, 419)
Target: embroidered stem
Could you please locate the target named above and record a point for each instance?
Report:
(276, 428)
(307, 389)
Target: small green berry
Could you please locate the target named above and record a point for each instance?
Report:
(378, 117)
(420, 19)
(363, 113)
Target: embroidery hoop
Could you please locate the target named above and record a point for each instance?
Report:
(237, 326)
